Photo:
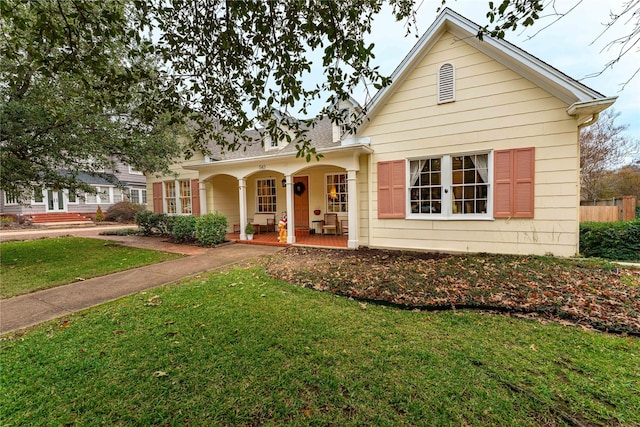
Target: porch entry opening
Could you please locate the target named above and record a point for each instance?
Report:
(56, 201)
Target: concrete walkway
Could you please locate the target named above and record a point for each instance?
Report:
(30, 309)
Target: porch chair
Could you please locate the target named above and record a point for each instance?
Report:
(344, 226)
(330, 222)
(271, 224)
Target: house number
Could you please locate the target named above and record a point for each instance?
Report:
(262, 166)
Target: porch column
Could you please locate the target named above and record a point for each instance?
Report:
(242, 187)
(291, 230)
(203, 197)
(352, 189)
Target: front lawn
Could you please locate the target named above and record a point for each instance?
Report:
(29, 266)
(241, 348)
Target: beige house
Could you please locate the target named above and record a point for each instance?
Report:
(472, 148)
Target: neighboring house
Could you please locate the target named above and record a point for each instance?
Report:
(53, 204)
(472, 148)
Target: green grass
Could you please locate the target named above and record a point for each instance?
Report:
(239, 348)
(29, 266)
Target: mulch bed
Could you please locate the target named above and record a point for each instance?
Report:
(592, 294)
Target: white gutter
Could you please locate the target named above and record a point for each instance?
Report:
(587, 112)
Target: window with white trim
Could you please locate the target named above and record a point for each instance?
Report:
(118, 195)
(185, 196)
(337, 193)
(72, 198)
(446, 83)
(451, 186)
(170, 197)
(38, 197)
(138, 195)
(345, 120)
(134, 172)
(11, 198)
(102, 196)
(266, 195)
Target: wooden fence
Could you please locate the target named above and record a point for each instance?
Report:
(625, 211)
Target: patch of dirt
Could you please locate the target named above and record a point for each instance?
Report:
(583, 292)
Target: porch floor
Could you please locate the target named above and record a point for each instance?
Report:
(271, 238)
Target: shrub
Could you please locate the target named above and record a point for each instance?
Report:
(211, 229)
(145, 222)
(99, 215)
(164, 223)
(184, 228)
(124, 212)
(612, 240)
(6, 220)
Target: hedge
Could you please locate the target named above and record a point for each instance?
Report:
(618, 241)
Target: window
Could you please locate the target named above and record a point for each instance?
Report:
(266, 195)
(178, 197)
(38, 197)
(185, 197)
(102, 196)
(73, 198)
(345, 121)
(426, 186)
(337, 193)
(137, 195)
(11, 198)
(470, 184)
(170, 196)
(446, 83)
(118, 196)
(450, 186)
(134, 172)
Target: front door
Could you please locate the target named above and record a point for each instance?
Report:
(56, 201)
(301, 201)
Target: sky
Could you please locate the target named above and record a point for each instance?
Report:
(570, 45)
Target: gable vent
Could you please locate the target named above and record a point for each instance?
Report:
(446, 83)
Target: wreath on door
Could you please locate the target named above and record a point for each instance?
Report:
(299, 188)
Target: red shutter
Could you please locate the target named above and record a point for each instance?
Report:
(157, 197)
(523, 171)
(391, 189)
(514, 183)
(195, 197)
(502, 190)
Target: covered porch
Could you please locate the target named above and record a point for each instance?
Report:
(307, 193)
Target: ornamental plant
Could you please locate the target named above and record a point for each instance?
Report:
(211, 229)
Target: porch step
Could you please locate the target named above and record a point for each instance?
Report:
(58, 217)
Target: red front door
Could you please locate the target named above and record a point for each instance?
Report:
(301, 202)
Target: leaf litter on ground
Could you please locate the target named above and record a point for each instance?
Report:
(589, 293)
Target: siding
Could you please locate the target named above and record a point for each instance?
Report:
(495, 109)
